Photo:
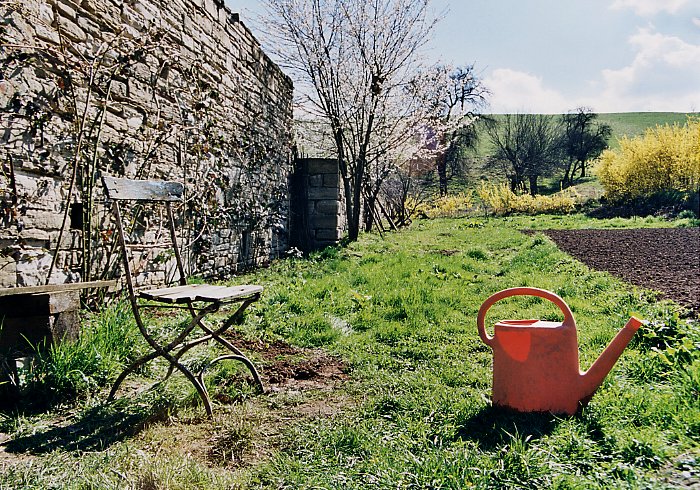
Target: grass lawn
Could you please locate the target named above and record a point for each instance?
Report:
(400, 311)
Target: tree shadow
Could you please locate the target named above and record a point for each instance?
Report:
(95, 430)
(493, 426)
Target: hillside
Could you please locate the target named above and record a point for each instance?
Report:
(623, 124)
(635, 123)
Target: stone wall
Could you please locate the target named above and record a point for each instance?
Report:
(173, 89)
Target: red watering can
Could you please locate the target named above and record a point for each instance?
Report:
(535, 363)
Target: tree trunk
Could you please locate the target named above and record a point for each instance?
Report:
(442, 173)
(533, 185)
(568, 174)
(368, 212)
(583, 169)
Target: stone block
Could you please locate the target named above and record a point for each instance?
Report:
(327, 206)
(46, 33)
(148, 11)
(46, 13)
(331, 180)
(72, 30)
(323, 221)
(65, 9)
(33, 267)
(34, 321)
(89, 27)
(316, 180)
(133, 18)
(36, 235)
(43, 220)
(324, 193)
(329, 235)
(8, 272)
(322, 166)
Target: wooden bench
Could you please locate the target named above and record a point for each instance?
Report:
(34, 318)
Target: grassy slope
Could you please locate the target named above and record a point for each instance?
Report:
(401, 311)
(623, 124)
(635, 123)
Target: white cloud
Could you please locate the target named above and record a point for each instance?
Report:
(517, 91)
(664, 76)
(647, 8)
(696, 21)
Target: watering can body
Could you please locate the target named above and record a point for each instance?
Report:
(536, 363)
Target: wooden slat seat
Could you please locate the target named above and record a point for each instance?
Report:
(200, 292)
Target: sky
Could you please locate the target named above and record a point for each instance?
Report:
(552, 56)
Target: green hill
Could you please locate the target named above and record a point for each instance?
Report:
(635, 123)
(623, 124)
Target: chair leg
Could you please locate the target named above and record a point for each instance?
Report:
(236, 357)
(174, 364)
(130, 369)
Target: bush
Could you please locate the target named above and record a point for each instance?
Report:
(442, 207)
(500, 200)
(664, 162)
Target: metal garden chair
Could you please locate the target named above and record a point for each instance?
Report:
(199, 299)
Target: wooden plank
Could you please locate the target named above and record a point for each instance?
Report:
(231, 293)
(54, 288)
(200, 292)
(142, 190)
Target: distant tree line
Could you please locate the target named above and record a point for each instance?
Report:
(528, 147)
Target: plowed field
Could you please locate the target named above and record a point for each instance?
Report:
(663, 259)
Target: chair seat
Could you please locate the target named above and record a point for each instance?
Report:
(200, 292)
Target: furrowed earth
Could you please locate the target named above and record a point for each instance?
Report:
(662, 259)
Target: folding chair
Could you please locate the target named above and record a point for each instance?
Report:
(199, 299)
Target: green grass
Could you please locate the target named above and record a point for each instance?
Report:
(401, 310)
(633, 124)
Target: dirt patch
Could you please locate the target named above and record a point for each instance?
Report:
(300, 384)
(663, 259)
(284, 366)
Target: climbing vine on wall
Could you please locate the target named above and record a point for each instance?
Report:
(135, 106)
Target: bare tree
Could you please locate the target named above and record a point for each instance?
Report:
(455, 94)
(528, 145)
(351, 60)
(583, 139)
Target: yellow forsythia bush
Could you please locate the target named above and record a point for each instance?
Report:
(665, 158)
(441, 207)
(500, 200)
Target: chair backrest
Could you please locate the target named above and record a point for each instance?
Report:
(142, 190)
(159, 192)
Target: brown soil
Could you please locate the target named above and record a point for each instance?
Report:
(285, 367)
(299, 383)
(663, 259)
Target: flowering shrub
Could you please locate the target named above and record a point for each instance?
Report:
(500, 200)
(442, 207)
(666, 158)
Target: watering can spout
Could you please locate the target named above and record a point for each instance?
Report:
(594, 377)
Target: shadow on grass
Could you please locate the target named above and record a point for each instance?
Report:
(95, 430)
(492, 426)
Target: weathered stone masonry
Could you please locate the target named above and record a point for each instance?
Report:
(176, 89)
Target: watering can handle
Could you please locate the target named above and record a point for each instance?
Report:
(521, 291)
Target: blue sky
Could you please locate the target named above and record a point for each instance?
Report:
(551, 56)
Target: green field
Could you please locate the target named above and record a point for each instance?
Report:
(623, 124)
(632, 124)
(414, 412)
